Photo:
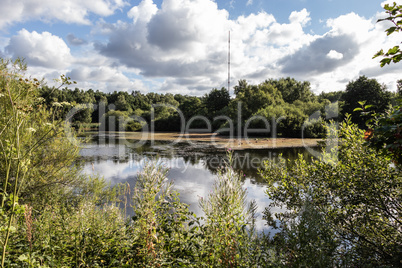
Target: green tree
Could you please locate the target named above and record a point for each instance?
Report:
(216, 100)
(191, 106)
(331, 96)
(368, 90)
(122, 104)
(292, 90)
(256, 97)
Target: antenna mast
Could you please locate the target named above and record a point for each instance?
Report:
(229, 63)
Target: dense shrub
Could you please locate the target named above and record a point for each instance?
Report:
(344, 209)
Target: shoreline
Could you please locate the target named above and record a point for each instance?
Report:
(212, 139)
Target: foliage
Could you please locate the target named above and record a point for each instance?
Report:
(393, 54)
(162, 233)
(353, 199)
(33, 144)
(33, 154)
(165, 233)
(385, 134)
(292, 90)
(256, 97)
(216, 100)
(368, 90)
(80, 235)
(165, 111)
(331, 96)
(116, 120)
(229, 226)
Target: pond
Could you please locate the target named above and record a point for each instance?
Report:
(192, 168)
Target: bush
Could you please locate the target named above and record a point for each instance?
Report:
(228, 232)
(355, 198)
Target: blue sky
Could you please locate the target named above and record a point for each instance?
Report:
(180, 46)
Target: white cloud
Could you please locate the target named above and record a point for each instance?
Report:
(333, 54)
(351, 24)
(72, 11)
(249, 2)
(104, 78)
(182, 39)
(187, 41)
(368, 37)
(302, 17)
(143, 12)
(40, 49)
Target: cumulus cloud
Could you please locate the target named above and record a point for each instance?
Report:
(342, 54)
(185, 40)
(314, 59)
(72, 11)
(75, 41)
(143, 12)
(40, 49)
(185, 43)
(178, 40)
(184, 24)
(351, 24)
(335, 55)
(105, 78)
(302, 17)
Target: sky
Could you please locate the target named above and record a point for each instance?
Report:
(181, 46)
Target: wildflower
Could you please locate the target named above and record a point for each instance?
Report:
(57, 104)
(368, 134)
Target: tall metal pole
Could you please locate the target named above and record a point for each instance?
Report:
(229, 63)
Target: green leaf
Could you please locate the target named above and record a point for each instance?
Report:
(23, 257)
(379, 53)
(385, 61)
(393, 51)
(390, 30)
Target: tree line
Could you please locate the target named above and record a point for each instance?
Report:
(290, 103)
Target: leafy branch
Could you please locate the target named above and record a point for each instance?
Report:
(395, 16)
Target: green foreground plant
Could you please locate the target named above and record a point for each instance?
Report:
(338, 213)
(229, 228)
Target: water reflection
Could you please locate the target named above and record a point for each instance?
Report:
(192, 168)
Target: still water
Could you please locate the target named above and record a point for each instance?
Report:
(192, 168)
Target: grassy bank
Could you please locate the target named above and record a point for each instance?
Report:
(221, 142)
